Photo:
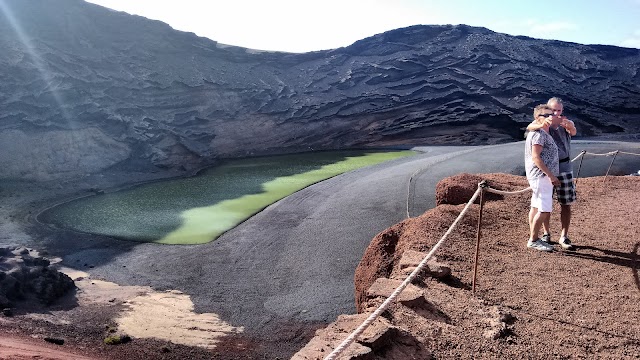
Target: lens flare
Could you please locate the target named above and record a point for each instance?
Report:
(35, 57)
(51, 85)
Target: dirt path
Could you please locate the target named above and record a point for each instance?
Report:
(20, 348)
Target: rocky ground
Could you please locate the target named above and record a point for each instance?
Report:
(532, 305)
(566, 304)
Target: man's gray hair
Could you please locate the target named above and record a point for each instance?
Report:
(556, 100)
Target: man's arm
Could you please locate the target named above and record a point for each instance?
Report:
(569, 126)
(537, 126)
(534, 126)
(537, 160)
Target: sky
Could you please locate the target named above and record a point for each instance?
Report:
(305, 25)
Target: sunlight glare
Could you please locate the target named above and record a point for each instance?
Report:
(36, 59)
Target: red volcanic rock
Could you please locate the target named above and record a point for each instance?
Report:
(411, 259)
(460, 188)
(380, 340)
(418, 234)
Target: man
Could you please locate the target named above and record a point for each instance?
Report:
(542, 167)
(566, 192)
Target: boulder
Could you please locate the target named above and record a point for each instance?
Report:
(24, 277)
(381, 340)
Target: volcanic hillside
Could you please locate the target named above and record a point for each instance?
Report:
(83, 88)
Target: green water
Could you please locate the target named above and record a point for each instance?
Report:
(199, 209)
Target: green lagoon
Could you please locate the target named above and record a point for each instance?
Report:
(199, 209)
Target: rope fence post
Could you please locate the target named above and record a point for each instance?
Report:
(481, 186)
(582, 153)
(610, 165)
(409, 190)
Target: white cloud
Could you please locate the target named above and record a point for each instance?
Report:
(633, 41)
(546, 29)
(536, 29)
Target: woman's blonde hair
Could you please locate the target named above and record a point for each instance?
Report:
(539, 110)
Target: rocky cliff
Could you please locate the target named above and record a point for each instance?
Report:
(84, 88)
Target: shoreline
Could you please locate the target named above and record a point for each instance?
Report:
(51, 203)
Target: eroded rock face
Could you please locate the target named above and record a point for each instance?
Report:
(59, 153)
(135, 91)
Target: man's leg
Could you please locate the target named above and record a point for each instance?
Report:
(565, 219)
(566, 196)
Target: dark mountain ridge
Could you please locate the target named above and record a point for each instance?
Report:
(84, 88)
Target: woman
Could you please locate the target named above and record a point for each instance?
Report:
(541, 165)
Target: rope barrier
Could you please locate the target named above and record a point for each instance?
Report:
(628, 153)
(605, 154)
(481, 188)
(579, 155)
(502, 192)
(495, 191)
(614, 153)
(357, 332)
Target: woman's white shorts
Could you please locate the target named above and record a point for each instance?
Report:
(542, 197)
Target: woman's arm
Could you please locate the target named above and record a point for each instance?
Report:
(537, 160)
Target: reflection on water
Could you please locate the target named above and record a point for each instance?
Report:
(199, 209)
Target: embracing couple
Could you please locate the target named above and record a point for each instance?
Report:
(548, 167)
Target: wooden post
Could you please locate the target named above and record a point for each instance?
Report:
(582, 153)
(481, 185)
(610, 165)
